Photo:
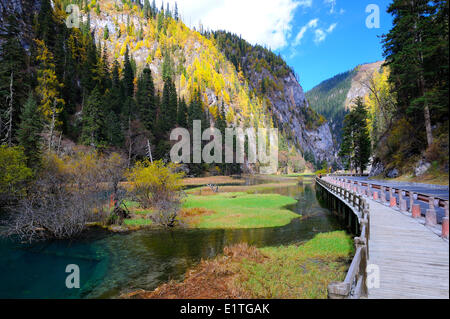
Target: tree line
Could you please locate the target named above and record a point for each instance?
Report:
(66, 86)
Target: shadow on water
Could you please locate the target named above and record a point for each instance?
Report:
(111, 264)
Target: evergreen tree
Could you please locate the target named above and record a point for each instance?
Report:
(14, 82)
(145, 98)
(168, 13)
(93, 120)
(89, 66)
(113, 130)
(46, 25)
(173, 105)
(166, 106)
(128, 76)
(147, 9)
(48, 89)
(106, 33)
(416, 51)
(29, 132)
(115, 97)
(356, 145)
(160, 22)
(176, 12)
(196, 111)
(182, 114)
(167, 67)
(154, 9)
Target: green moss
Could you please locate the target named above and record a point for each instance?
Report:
(241, 210)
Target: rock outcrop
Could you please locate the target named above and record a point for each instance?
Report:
(23, 10)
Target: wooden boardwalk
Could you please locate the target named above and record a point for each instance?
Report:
(413, 261)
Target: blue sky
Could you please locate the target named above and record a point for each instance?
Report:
(348, 44)
(318, 38)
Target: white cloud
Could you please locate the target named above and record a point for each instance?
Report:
(311, 24)
(331, 28)
(332, 4)
(320, 35)
(265, 22)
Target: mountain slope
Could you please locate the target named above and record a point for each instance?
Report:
(209, 63)
(333, 97)
(269, 76)
(98, 66)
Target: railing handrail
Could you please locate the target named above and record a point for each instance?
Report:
(442, 202)
(353, 285)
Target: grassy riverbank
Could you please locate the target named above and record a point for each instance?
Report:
(239, 210)
(293, 272)
(235, 206)
(225, 210)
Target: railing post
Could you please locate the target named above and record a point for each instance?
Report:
(392, 199)
(411, 201)
(338, 290)
(383, 195)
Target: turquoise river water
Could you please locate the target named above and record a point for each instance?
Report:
(111, 264)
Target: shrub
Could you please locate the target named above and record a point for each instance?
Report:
(14, 174)
(159, 186)
(65, 196)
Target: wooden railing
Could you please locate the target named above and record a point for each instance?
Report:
(430, 213)
(350, 174)
(438, 202)
(354, 284)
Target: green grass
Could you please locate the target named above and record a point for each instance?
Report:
(137, 222)
(302, 272)
(131, 204)
(241, 210)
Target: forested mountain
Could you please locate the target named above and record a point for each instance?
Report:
(269, 76)
(334, 97)
(131, 72)
(405, 96)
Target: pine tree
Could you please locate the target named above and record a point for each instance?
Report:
(14, 82)
(128, 76)
(416, 51)
(93, 120)
(89, 66)
(113, 131)
(160, 22)
(29, 131)
(46, 25)
(48, 89)
(176, 12)
(147, 9)
(145, 98)
(182, 114)
(173, 105)
(167, 67)
(165, 106)
(106, 33)
(356, 145)
(196, 111)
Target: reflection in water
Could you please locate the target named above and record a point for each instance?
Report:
(111, 264)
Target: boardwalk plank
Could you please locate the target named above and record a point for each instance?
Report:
(413, 261)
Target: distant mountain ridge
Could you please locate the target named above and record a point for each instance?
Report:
(334, 97)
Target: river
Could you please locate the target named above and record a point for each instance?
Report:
(111, 264)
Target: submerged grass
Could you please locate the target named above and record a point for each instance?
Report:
(242, 210)
(285, 272)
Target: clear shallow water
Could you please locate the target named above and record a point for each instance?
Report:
(111, 264)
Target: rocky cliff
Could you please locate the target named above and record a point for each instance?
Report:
(198, 60)
(268, 75)
(334, 97)
(23, 10)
